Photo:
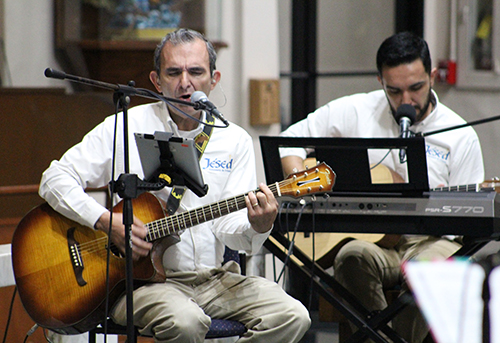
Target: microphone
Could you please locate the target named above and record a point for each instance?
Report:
(405, 116)
(201, 100)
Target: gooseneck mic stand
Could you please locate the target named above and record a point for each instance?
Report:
(128, 186)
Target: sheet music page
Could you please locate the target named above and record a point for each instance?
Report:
(449, 295)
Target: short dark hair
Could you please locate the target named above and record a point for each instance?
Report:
(182, 36)
(402, 48)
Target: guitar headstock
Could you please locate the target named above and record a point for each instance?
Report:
(319, 179)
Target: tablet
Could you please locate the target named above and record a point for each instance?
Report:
(184, 155)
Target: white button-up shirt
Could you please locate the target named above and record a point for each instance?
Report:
(227, 165)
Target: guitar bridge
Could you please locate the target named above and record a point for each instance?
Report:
(76, 257)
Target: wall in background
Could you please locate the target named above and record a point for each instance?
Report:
(258, 46)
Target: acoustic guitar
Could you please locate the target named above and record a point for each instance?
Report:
(60, 266)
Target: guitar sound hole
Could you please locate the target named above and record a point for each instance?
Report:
(115, 251)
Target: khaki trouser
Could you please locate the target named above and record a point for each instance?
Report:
(366, 270)
(179, 310)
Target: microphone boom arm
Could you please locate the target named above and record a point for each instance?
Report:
(127, 89)
(472, 123)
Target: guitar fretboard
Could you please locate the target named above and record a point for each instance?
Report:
(318, 179)
(465, 188)
(169, 225)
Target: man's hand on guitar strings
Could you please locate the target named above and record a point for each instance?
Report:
(262, 209)
(140, 248)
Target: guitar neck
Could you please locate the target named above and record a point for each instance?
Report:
(170, 225)
(477, 187)
(318, 179)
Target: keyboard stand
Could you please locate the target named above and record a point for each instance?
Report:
(368, 324)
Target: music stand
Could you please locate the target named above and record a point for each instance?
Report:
(348, 157)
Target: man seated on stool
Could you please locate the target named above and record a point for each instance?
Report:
(453, 158)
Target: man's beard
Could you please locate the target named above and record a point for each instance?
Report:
(421, 111)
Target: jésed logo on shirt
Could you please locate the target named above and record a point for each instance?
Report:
(435, 152)
(217, 164)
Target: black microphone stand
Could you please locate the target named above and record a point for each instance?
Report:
(128, 186)
(472, 123)
(128, 190)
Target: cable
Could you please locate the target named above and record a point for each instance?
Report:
(382, 160)
(111, 205)
(223, 94)
(30, 332)
(10, 315)
(286, 232)
(292, 241)
(280, 229)
(162, 98)
(47, 338)
(283, 230)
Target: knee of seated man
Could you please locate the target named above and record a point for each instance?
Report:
(294, 318)
(300, 315)
(354, 254)
(184, 325)
(304, 319)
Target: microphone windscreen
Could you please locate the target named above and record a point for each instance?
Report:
(406, 110)
(197, 96)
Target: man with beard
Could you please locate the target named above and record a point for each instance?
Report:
(453, 158)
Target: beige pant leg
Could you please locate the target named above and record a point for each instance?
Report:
(268, 312)
(365, 269)
(174, 311)
(166, 311)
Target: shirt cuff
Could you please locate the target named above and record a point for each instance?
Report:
(93, 211)
(257, 239)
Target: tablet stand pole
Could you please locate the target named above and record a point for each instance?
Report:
(129, 186)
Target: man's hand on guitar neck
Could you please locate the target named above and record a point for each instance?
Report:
(140, 248)
(262, 209)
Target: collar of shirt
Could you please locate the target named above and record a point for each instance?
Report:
(169, 123)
